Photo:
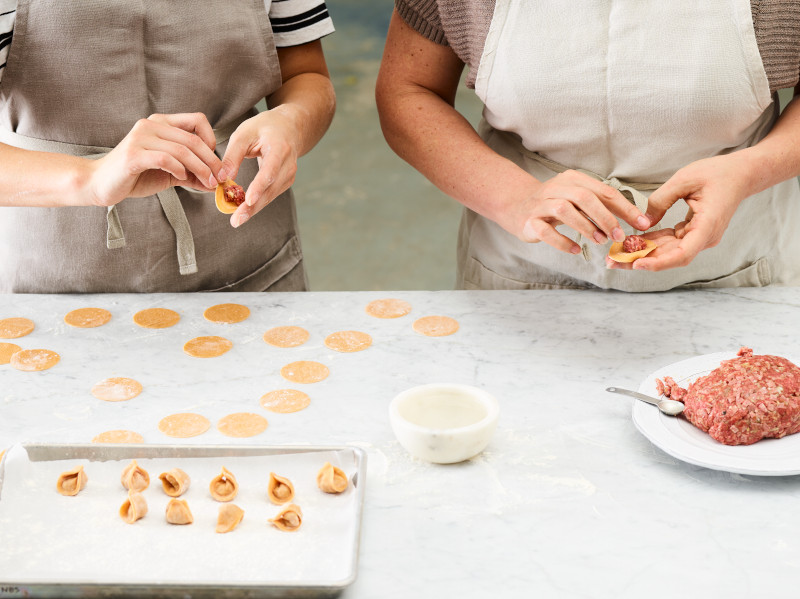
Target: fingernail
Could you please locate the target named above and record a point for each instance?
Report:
(643, 223)
(617, 234)
(599, 237)
(212, 181)
(575, 249)
(241, 219)
(528, 232)
(222, 175)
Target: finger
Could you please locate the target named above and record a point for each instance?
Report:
(273, 178)
(239, 147)
(681, 255)
(665, 196)
(591, 218)
(156, 160)
(616, 203)
(186, 157)
(194, 122)
(537, 230)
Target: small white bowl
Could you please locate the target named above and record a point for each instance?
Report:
(444, 423)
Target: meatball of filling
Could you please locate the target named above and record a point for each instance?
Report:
(234, 194)
(633, 243)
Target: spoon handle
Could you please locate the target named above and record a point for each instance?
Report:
(636, 394)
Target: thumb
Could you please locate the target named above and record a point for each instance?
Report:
(665, 196)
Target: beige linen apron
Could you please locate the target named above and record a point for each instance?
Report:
(79, 75)
(631, 91)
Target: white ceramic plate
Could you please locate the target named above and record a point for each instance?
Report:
(680, 439)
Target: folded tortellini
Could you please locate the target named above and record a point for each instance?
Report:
(224, 486)
(280, 489)
(72, 481)
(331, 479)
(134, 477)
(289, 518)
(174, 482)
(178, 512)
(229, 517)
(134, 507)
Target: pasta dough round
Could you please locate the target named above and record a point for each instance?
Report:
(288, 336)
(118, 436)
(436, 326)
(348, 341)
(32, 360)
(117, 389)
(227, 313)
(285, 401)
(156, 318)
(305, 372)
(184, 425)
(87, 318)
(13, 328)
(242, 424)
(207, 347)
(388, 308)
(6, 351)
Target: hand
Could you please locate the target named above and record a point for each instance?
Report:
(581, 202)
(271, 139)
(713, 188)
(159, 152)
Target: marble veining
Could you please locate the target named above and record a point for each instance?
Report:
(568, 500)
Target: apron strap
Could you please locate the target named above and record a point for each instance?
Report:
(630, 190)
(170, 202)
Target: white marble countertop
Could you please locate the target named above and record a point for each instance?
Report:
(569, 499)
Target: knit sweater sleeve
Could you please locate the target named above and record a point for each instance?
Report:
(423, 17)
(777, 27)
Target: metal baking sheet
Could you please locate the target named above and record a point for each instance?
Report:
(55, 546)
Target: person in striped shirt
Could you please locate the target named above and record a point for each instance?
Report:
(111, 101)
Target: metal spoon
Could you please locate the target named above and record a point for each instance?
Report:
(670, 407)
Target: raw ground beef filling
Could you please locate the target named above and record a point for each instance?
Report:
(743, 401)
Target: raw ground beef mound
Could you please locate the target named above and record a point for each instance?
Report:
(743, 401)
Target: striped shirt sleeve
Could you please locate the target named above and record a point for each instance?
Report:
(296, 22)
(8, 10)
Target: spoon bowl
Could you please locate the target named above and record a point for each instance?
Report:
(670, 407)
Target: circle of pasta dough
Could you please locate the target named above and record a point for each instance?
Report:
(183, 425)
(13, 328)
(156, 318)
(32, 360)
(118, 436)
(388, 308)
(207, 347)
(117, 389)
(288, 336)
(285, 401)
(87, 318)
(242, 424)
(348, 341)
(436, 326)
(305, 371)
(227, 313)
(6, 351)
